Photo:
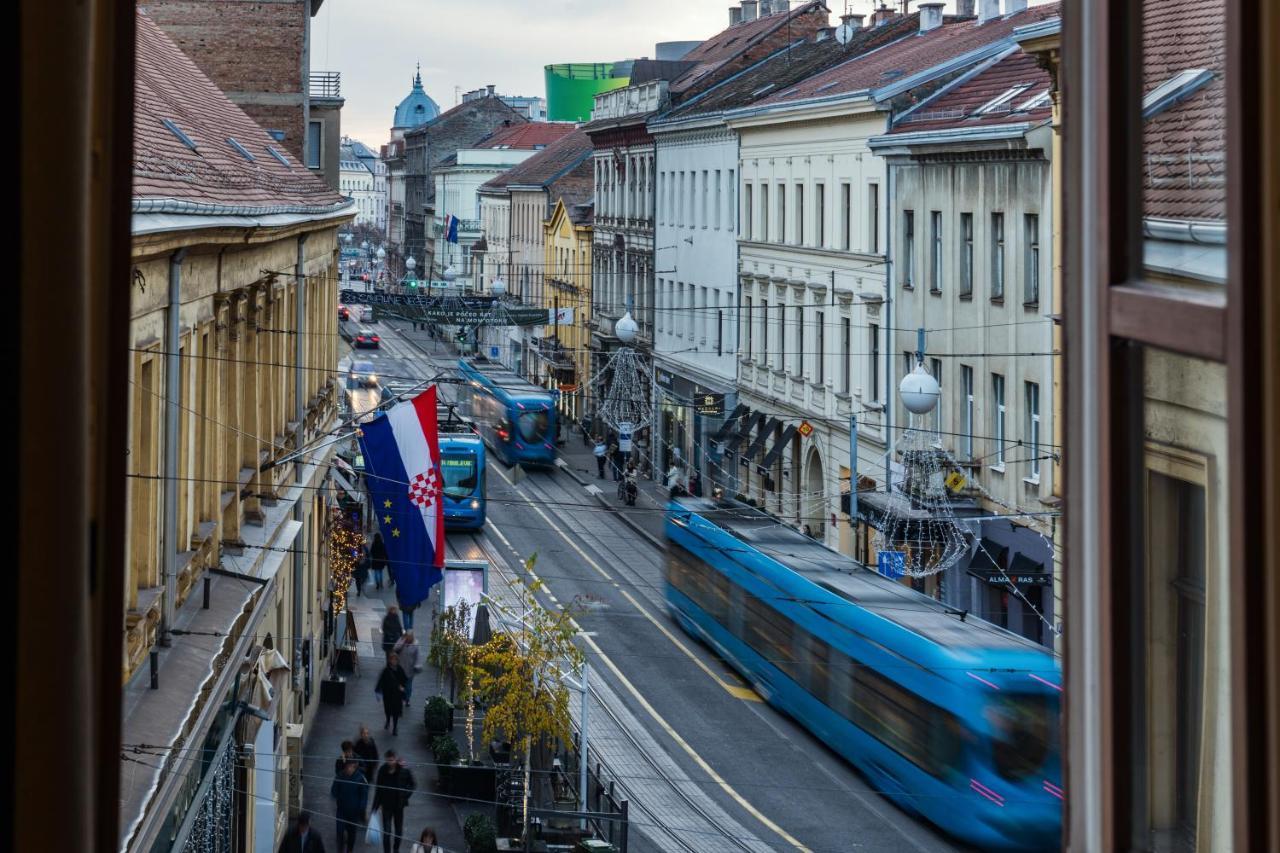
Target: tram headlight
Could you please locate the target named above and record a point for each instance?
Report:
(475, 503)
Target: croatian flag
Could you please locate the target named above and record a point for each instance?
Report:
(402, 461)
(451, 228)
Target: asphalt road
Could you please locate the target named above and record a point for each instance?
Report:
(750, 777)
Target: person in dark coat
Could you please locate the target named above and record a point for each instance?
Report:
(348, 754)
(366, 749)
(302, 838)
(351, 792)
(378, 558)
(392, 629)
(391, 793)
(695, 484)
(361, 573)
(391, 687)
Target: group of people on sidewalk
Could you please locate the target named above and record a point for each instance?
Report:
(395, 683)
(680, 479)
(375, 563)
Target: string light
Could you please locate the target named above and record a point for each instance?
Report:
(346, 544)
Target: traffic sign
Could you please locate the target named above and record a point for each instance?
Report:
(624, 436)
(891, 564)
(805, 429)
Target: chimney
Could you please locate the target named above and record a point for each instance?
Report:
(857, 21)
(749, 9)
(988, 10)
(766, 8)
(964, 8)
(930, 16)
(490, 87)
(884, 15)
(781, 7)
(735, 15)
(1012, 6)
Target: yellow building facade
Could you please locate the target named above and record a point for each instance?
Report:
(567, 291)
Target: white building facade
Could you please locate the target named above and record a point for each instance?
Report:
(812, 208)
(457, 194)
(696, 292)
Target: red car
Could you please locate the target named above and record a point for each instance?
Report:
(344, 313)
(366, 339)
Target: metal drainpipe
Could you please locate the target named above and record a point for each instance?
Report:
(889, 355)
(172, 417)
(299, 384)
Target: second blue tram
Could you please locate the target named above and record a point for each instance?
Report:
(462, 466)
(953, 718)
(515, 417)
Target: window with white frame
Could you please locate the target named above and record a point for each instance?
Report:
(1031, 280)
(873, 332)
(764, 212)
(718, 202)
(797, 363)
(998, 418)
(846, 355)
(748, 320)
(997, 256)
(729, 193)
(846, 215)
(966, 389)
(873, 218)
(935, 251)
(819, 215)
(782, 213)
(703, 218)
(820, 350)
(1033, 429)
(746, 213)
(908, 248)
(764, 332)
(966, 254)
(799, 214)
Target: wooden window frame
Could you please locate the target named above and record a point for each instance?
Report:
(1112, 312)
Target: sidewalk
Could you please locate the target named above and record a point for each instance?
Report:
(335, 723)
(646, 517)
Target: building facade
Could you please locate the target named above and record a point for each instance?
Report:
(972, 206)
(560, 353)
(226, 522)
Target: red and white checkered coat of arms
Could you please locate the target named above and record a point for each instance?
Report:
(424, 488)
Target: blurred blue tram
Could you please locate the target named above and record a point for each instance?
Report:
(462, 458)
(954, 719)
(516, 418)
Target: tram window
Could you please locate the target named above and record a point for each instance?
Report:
(769, 634)
(534, 425)
(459, 475)
(819, 669)
(1021, 729)
(921, 732)
(703, 585)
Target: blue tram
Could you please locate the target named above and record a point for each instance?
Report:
(956, 720)
(515, 417)
(462, 466)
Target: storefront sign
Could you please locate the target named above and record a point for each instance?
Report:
(708, 404)
(805, 429)
(624, 437)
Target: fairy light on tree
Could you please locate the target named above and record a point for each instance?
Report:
(345, 544)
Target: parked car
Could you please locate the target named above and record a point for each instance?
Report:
(366, 339)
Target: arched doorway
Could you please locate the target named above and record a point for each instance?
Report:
(814, 515)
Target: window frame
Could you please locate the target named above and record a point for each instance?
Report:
(966, 255)
(935, 251)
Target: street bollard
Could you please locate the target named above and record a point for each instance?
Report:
(155, 670)
(205, 604)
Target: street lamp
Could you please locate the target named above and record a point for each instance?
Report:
(626, 328)
(409, 265)
(498, 287)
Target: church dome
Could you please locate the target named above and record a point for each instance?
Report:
(417, 107)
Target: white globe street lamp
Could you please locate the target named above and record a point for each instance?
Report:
(626, 328)
(449, 273)
(498, 287)
(381, 254)
(410, 264)
(919, 391)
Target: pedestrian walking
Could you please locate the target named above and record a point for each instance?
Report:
(392, 629)
(391, 794)
(390, 689)
(695, 484)
(378, 559)
(407, 649)
(600, 451)
(302, 838)
(427, 842)
(615, 459)
(406, 613)
(674, 475)
(350, 791)
(348, 754)
(366, 749)
(585, 425)
(361, 573)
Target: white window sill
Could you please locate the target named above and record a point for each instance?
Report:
(1032, 481)
(999, 469)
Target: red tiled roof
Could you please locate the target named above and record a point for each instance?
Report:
(1184, 146)
(732, 42)
(536, 134)
(542, 168)
(954, 108)
(168, 85)
(911, 55)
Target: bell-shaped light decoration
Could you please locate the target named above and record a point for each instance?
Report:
(626, 328)
(919, 391)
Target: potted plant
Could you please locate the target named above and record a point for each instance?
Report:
(437, 716)
(479, 833)
(446, 753)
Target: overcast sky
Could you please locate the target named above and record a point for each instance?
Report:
(466, 44)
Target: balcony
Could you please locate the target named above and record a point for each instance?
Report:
(325, 84)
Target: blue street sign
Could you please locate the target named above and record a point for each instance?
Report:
(892, 564)
(494, 353)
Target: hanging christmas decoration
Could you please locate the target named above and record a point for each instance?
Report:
(622, 385)
(919, 534)
(346, 544)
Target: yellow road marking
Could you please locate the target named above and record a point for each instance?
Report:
(659, 719)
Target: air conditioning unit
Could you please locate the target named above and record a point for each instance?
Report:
(293, 766)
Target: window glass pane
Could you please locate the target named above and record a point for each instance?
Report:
(1184, 143)
(1184, 755)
